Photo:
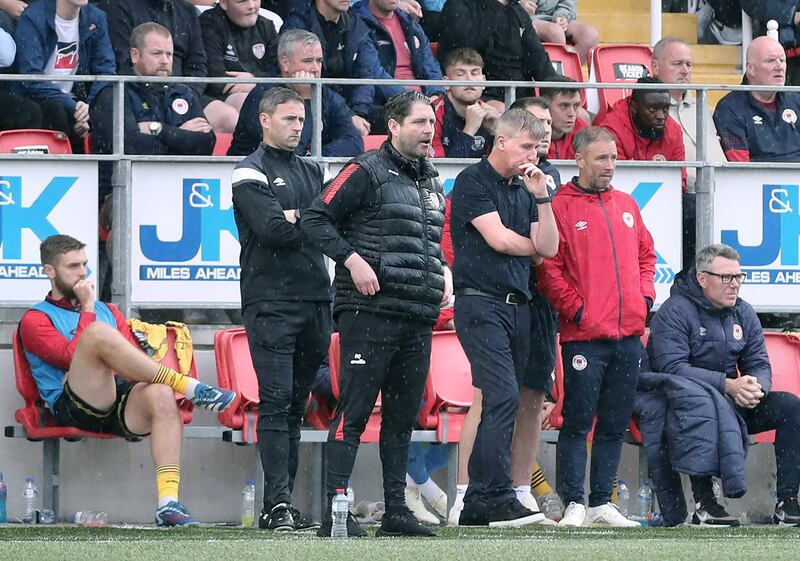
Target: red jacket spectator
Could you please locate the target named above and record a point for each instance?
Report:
(562, 149)
(603, 231)
(633, 146)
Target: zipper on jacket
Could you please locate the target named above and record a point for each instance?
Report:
(425, 226)
(616, 264)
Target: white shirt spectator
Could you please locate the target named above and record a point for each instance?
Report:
(64, 59)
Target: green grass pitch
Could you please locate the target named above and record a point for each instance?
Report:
(452, 544)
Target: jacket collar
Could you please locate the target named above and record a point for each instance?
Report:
(416, 169)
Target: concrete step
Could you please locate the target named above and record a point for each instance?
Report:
(635, 27)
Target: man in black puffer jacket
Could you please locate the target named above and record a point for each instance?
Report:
(704, 331)
(381, 220)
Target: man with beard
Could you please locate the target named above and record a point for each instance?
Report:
(381, 221)
(501, 220)
(285, 296)
(643, 127)
(601, 284)
(92, 374)
(159, 118)
(760, 126)
(464, 123)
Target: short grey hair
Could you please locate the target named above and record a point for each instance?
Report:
(525, 102)
(658, 48)
(274, 97)
(516, 121)
(705, 256)
(290, 39)
(590, 135)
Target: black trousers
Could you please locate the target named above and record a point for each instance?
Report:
(496, 339)
(288, 341)
(18, 112)
(379, 353)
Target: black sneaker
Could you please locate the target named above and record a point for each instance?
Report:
(401, 522)
(278, 519)
(302, 522)
(474, 514)
(787, 512)
(512, 514)
(354, 529)
(709, 513)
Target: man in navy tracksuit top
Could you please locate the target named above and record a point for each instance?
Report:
(500, 220)
(601, 285)
(381, 221)
(300, 56)
(760, 126)
(285, 296)
(704, 331)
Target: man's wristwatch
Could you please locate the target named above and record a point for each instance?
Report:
(154, 127)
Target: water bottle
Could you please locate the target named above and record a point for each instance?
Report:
(551, 507)
(29, 493)
(339, 510)
(351, 495)
(644, 500)
(90, 518)
(3, 497)
(249, 504)
(623, 498)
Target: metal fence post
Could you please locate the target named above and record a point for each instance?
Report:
(704, 184)
(121, 230)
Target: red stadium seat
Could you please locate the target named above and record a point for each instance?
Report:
(34, 141)
(618, 63)
(784, 357)
(449, 387)
(37, 420)
(374, 141)
(235, 371)
(566, 62)
(222, 144)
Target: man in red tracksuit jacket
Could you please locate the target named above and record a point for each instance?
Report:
(644, 129)
(601, 284)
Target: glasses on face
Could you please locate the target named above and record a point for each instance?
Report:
(727, 279)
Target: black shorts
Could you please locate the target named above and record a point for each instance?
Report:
(70, 410)
(539, 372)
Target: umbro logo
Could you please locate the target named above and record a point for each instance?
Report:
(581, 225)
(279, 182)
(357, 359)
(757, 119)
(393, 172)
(521, 31)
(340, 46)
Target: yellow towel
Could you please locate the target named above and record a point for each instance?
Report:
(155, 335)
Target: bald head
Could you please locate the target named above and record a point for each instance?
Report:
(766, 62)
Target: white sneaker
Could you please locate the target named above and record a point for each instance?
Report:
(455, 512)
(439, 504)
(574, 515)
(417, 507)
(529, 502)
(607, 515)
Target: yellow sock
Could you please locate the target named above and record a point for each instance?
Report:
(539, 484)
(168, 480)
(175, 380)
(614, 495)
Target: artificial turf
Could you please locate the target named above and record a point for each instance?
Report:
(18, 543)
